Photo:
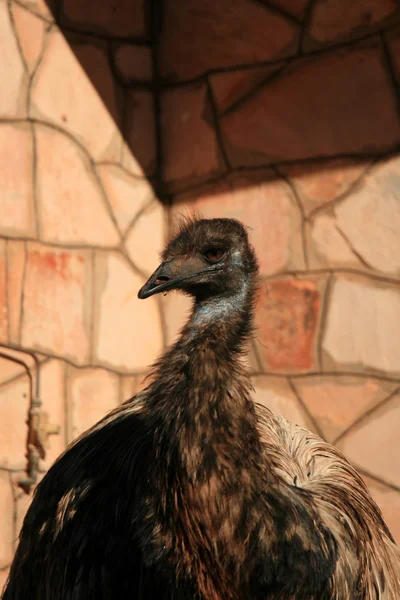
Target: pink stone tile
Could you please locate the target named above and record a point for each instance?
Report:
(388, 501)
(373, 444)
(92, 393)
(186, 115)
(276, 394)
(10, 370)
(140, 133)
(262, 202)
(6, 512)
(16, 260)
(14, 408)
(298, 116)
(370, 218)
(362, 331)
(222, 34)
(52, 394)
(134, 63)
(293, 7)
(67, 75)
(56, 307)
(335, 21)
(327, 247)
(12, 71)
(190, 146)
(31, 33)
(147, 237)
(126, 195)
(117, 18)
(16, 185)
(287, 320)
(4, 317)
(318, 183)
(230, 87)
(64, 178)
(127, 330)
(337, 401)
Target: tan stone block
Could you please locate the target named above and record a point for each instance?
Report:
(56, 306)
(276, 394)
(4, 335)
(363, 327)
(264, 204)
(297, 115)
(12, 71)
(122, 18)
(3, 577)
(336, 402)
(176, 309)
(190, 148)
(232, 31)
(147, 238)
(23, 501)
(52, 395)
(127, 195)
(16, 261)
(44, 8)
(139, 153)
(16, 179)
(6, 512)
(58, 87)
(335, 21)
(92, 393)
(9, 369)
(287, 319)
(326, 245)
(320, 182)
(127, 330)
(134, 63)
(72, 206)
(14, 408)
(370, 217)
(31, 32)
(128, 387)
(373, 444)
(388, 501)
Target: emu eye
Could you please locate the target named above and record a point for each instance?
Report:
(214, 254)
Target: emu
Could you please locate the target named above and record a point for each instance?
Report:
(189, 490)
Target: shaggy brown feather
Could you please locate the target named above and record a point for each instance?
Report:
(191, 491)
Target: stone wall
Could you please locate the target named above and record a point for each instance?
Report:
(284, 114)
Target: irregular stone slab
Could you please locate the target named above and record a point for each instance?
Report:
(115, 18)
(294, 7)
(70, 198)
(127, 195)
(147, 237)
(337, 401)
(133, 62)
(327, 246)
(12, 72)
(370, 217)
(388, 501)
(56, 305)
(189, 144)
(374, 445)
(336, 21)
(44, 8)
(320, 182)
(233, 32)
(59, 86)
(14, 408)
(276, 394)
(16, 260)
(140, 153)
(363, 327)
(298, 115)
(16, 181)
(53, 396)
(262, 202)
(128, 334)
(92, 393)
(3, 293)
(7, 514)
(287, 319)
(31, 32)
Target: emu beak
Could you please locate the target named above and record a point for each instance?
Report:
(170, 273)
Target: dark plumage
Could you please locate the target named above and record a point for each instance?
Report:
(191, 491)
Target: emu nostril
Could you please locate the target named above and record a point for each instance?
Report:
(161, 279)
